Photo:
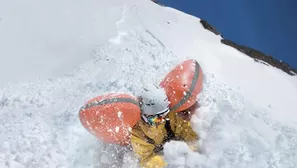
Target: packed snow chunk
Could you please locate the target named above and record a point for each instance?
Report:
(129, 129)
(117, 129)
(178, 154)
(120, 114)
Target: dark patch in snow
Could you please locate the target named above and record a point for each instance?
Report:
(3, 102)
(28, 115)
(114, 84)
(154, 37)
(258, 56)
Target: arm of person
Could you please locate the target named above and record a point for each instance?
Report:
(145, 151)
(188, 113)
(182, 127)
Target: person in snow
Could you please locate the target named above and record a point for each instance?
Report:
(159, 125)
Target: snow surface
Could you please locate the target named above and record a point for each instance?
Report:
(57, 54)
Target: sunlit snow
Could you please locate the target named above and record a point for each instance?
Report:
(55, 55)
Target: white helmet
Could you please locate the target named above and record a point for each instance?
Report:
(153, 100)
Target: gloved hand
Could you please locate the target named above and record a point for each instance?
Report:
(156, 162)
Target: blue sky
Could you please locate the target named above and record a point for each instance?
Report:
(266, 25)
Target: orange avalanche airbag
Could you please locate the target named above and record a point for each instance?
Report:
(111, 117)
(183, 84)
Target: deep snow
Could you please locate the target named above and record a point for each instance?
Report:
(55, 55)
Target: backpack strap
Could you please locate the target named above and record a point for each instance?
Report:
(170, 133)
(170, 136)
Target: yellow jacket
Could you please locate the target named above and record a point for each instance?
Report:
(148, 140)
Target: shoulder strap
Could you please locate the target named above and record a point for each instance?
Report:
(170, 136)
(170, 133)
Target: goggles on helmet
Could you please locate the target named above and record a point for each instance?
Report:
(157, 118)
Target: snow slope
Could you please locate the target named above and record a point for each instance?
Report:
(55, 55)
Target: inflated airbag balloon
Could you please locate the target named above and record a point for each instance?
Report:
(183, 84)
(111, 117)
